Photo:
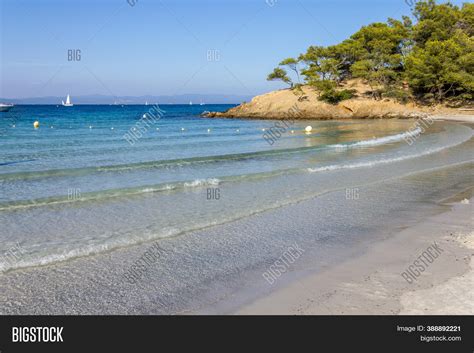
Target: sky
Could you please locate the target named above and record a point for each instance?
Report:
(167, 47)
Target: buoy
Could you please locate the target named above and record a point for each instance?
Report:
(308, 128)
(263, 129)
(292, 131)
(208, 130)
(111, 128)
(90, 126)
(36, 124)
(51, 127)
(157, 129)
(182, 129)
(13, 126)
(238, 130)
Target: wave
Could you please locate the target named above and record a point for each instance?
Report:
(193, 160)
(203, 182)
(381, 140)
(114, 242)
(176, 186)
(112, 193)
(385, 161)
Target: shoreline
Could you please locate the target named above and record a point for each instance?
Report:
(80, 286)
(218, 269)
(373, 284)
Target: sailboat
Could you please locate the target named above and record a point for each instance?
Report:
(68, 102)
(190, 103)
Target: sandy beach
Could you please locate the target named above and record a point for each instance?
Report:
(372, 283)
(461, 117)
(345, 263)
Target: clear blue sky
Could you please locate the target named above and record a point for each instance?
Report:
(161, 47)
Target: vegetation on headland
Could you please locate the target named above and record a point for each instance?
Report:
(430, 60)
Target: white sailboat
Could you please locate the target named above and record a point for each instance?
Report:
(68, 102)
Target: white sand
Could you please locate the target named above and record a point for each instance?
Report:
(455, 296)
(464, 118)
(372, 283)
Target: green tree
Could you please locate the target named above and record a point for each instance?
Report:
(441, 64)
(443, 68)
(431, 57)
(379, 59)
(293, 65)
(280, 74)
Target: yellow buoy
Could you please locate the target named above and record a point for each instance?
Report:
(308, 128)
(36, 124)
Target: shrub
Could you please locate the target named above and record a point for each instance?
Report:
(333, 96)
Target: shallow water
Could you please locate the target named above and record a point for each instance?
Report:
(75, 186)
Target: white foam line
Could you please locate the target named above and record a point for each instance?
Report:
(384, 161)
(381, 140)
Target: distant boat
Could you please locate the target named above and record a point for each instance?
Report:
(68, 102)
(5, 107)
(202, 103)
(190, 103)
(146, 103)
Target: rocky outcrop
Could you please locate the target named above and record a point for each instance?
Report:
(304, 104)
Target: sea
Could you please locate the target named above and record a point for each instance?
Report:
(90, 179)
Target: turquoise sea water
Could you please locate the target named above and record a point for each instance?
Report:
(75, 186)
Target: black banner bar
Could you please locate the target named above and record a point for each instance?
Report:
(321, 333)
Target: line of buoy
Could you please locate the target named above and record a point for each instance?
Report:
(36, 124)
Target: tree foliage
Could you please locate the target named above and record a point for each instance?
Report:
(280, 74)
(433, 55)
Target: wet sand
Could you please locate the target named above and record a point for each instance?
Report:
(354, 251)
(373, 284)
